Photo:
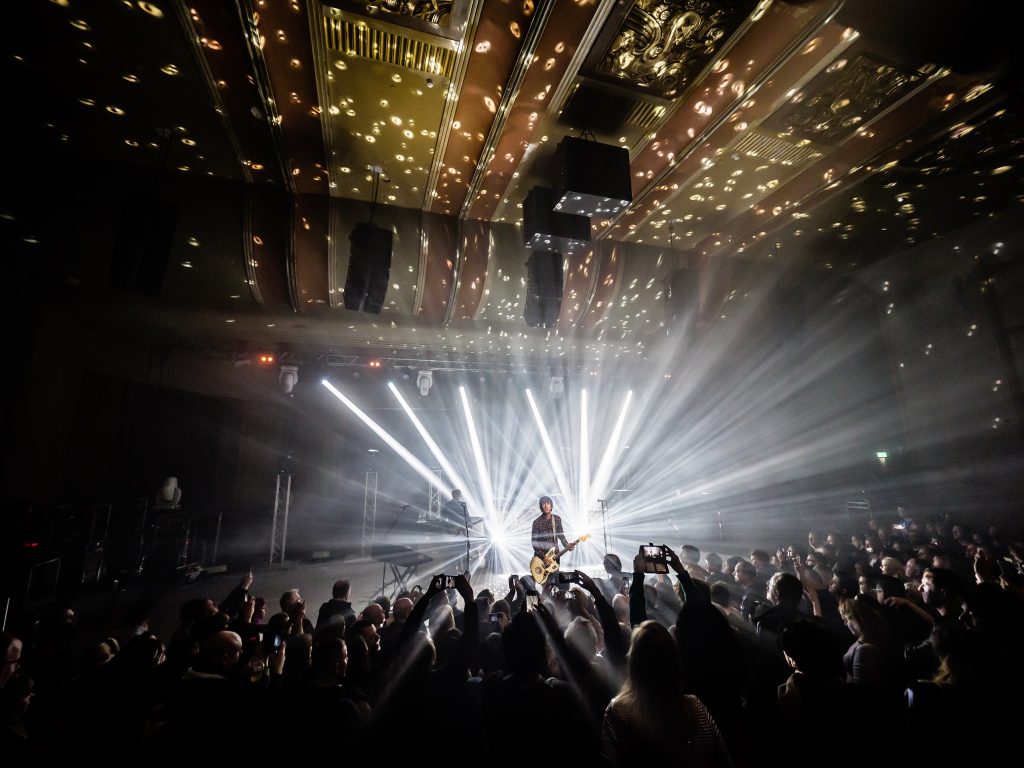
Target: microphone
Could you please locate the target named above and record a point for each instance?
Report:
(463, 504)
(404, 507)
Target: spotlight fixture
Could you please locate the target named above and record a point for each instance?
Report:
(265, 358)
(288, 378)
(556, 386)
(424, 380)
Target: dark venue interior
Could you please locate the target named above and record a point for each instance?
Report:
(740, 278)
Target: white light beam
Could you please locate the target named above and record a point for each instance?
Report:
(611, 451)
(435, 449)
(411, 460)
(478, 454)
(584, 489)
(556, 465)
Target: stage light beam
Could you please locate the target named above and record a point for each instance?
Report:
(398, 448)
(435, 449)
(556, 465)
(604, 469)
(481, 467)
(584, 489)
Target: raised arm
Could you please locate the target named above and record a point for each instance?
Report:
(686, 582)
(233, 604)
(614, 646)
(637, 597)
(417, 614)
(470, 641)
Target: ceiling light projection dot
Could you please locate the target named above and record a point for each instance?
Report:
(152, 9)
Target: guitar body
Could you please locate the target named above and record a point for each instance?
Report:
(541, 572)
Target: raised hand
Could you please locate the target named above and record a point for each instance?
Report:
(436, 585)
(248, 609)
(276, 661)
(673, 559)
(463, 587)
(587, 583)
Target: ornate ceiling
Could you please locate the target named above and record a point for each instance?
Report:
(768, 130)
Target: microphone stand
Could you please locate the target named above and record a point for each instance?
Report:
(465, 517)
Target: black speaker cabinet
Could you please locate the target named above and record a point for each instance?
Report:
(547, 229)
(590, 179)
(369, 267)
(543, 289)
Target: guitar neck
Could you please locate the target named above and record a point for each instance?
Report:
(560, 552)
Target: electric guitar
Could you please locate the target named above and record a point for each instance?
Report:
(540, 571)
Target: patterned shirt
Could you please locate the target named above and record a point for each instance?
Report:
(545, 531)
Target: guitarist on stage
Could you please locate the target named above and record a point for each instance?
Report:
(548, 531)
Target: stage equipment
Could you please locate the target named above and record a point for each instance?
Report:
(279, 526)
(401, 560)
(288, 378)
(544, 227)
(423, 381)
(369, 267)
(543, 289)
(590, 179)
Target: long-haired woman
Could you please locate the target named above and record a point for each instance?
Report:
(651, 719)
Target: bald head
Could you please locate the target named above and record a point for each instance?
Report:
(620, 604)
(375, 614)
(219, 652)
(402, 608)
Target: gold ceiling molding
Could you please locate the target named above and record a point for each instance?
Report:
(533, 37)
(645, 114)
(378, 43)
(844, 97)
(192, 35)
(662, 45)
(473, 9)
(812, 27)
(757, 143)
(430, 11)
(436, 18)
(249, 255)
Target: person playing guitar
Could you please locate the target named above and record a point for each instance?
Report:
(547, 532)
